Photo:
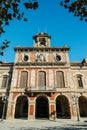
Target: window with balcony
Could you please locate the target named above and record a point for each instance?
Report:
(42, 80)
(23, 79)
(60, 79)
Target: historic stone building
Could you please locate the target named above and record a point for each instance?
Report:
(43, 83)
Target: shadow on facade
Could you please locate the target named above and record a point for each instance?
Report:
(83, 106)
(62, 107)
(1, 107)
(42, 108)
(21, 110)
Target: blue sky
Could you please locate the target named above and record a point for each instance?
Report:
(53, 19)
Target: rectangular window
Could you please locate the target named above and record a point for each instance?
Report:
(79, 81)
(23, 79)
(42, 80)
(60, 79)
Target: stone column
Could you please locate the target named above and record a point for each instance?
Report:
(10, 109)
(31, 110)
(52, 111)
(75, 111)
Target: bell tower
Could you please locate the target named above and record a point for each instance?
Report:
(42, 40)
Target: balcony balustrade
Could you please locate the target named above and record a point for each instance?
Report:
(39, 88)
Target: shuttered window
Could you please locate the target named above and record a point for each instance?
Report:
(79, 81)
(60, 79)
(4, 82)
(42, 79)
(23, 79)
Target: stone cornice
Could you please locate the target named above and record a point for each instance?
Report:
(42, 48)
(80, 64)
(40, 63)
(6, 64)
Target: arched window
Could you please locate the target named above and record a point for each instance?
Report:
(60, 79)
(79, 81)
(42, 80)
(4, 81)
(23, 79)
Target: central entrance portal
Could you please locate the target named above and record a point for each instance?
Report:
(42, 108)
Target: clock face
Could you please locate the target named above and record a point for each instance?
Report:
(58, 58)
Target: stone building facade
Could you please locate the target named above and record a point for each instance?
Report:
(42, 83)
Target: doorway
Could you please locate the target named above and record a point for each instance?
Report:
(62, 107)
(21, 110)
(42, 108)
(83, 106)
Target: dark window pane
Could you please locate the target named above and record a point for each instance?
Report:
(79, 81)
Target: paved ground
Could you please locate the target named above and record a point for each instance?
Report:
(43, 125)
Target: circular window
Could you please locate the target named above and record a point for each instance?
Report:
(25, 57)
(58, 57)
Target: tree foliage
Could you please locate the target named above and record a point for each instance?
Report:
(10, 10)
(3, 46)
(77, 7)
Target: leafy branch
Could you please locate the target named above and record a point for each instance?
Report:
(77, 7)
(10, 10)
(3, 46)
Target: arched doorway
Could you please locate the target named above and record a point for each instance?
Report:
(21, 109)
(42, 108)
(1, 107)
(62, 107)
(83, 106)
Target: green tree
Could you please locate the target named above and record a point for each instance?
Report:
(10, 10)
(3, 46)
(77, 7)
